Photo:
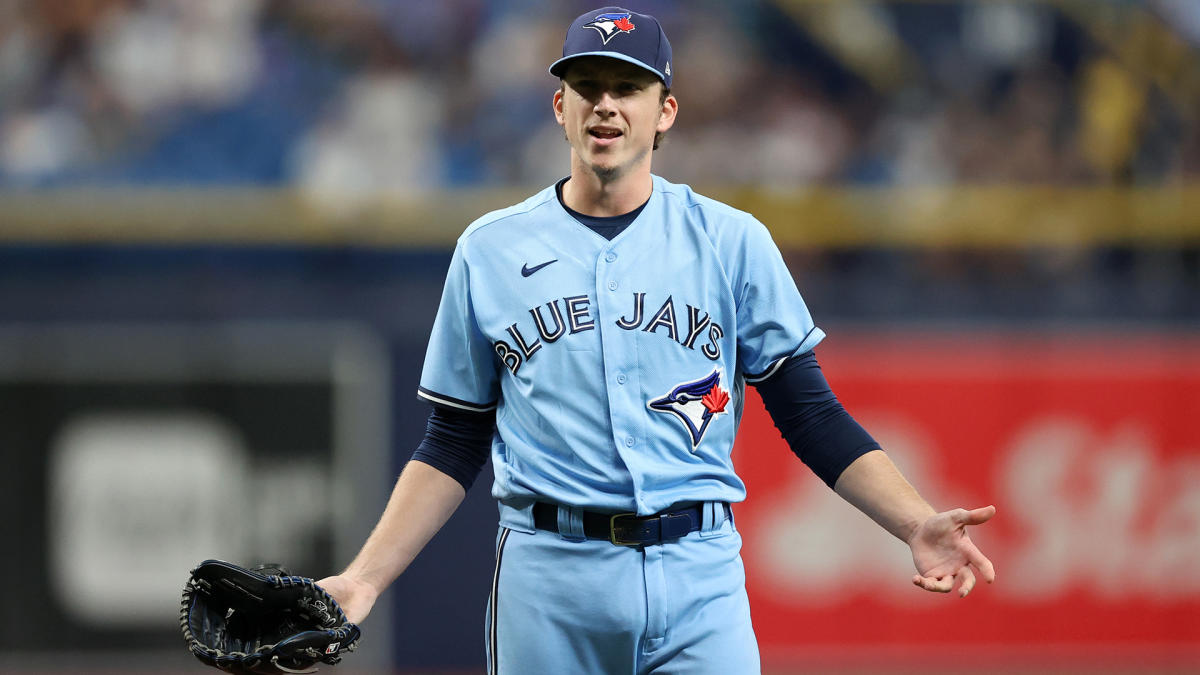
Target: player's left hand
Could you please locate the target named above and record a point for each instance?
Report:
(944, 554)
(355, 597)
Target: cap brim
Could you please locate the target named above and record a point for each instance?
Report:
(559, 67)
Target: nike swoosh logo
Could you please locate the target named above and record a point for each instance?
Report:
(526, 270)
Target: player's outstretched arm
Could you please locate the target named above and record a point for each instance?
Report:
(943, 553)
(421, 503)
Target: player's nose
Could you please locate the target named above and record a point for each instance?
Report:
(605, 104)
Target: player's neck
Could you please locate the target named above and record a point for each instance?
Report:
(591, 195)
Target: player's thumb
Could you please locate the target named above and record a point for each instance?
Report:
(978, 516)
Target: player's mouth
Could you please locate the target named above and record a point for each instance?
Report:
(605, 135)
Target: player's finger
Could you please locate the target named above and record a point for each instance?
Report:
(978, 560)
(935, 584)
(968, 582)
(974, 516)
(981, 563)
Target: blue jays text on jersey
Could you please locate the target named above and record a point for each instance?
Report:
(616, 367)
(550, 326)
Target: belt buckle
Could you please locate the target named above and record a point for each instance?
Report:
(612, 531)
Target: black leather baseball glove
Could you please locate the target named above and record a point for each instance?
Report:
(262, 621)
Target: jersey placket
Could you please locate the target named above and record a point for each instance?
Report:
(621, 365)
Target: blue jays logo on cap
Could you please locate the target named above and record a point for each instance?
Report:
(611, 24)
(694, 404)
(642, 43)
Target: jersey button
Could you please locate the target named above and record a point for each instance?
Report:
(629, 441)
(611, 257)
(621, 378)
(612, 285)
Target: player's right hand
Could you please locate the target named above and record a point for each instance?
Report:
(356, 597)
(944, 554)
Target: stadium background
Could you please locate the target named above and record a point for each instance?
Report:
(223, 231)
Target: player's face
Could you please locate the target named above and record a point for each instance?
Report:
(610, 111)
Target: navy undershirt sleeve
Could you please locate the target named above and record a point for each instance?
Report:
(457, 442)
(811, 419)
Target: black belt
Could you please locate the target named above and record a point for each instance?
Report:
(629, 529)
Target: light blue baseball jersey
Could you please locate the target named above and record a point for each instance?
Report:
(617, 367)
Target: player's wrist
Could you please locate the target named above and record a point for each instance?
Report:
(910, 528)
(364, 583)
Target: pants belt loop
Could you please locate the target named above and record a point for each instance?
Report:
(714, 517)
(570, 523)
(517, 514)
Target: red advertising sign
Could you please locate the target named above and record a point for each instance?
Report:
(1088, 446)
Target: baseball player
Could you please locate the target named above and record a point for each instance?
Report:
(596, 341)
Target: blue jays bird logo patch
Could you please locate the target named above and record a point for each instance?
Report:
(610, 24)
(694, 404)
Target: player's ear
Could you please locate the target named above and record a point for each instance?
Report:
(557, 102)
(666, 119)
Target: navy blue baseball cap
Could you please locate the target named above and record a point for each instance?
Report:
(620, 34)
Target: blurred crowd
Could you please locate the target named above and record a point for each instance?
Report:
(408, 95)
